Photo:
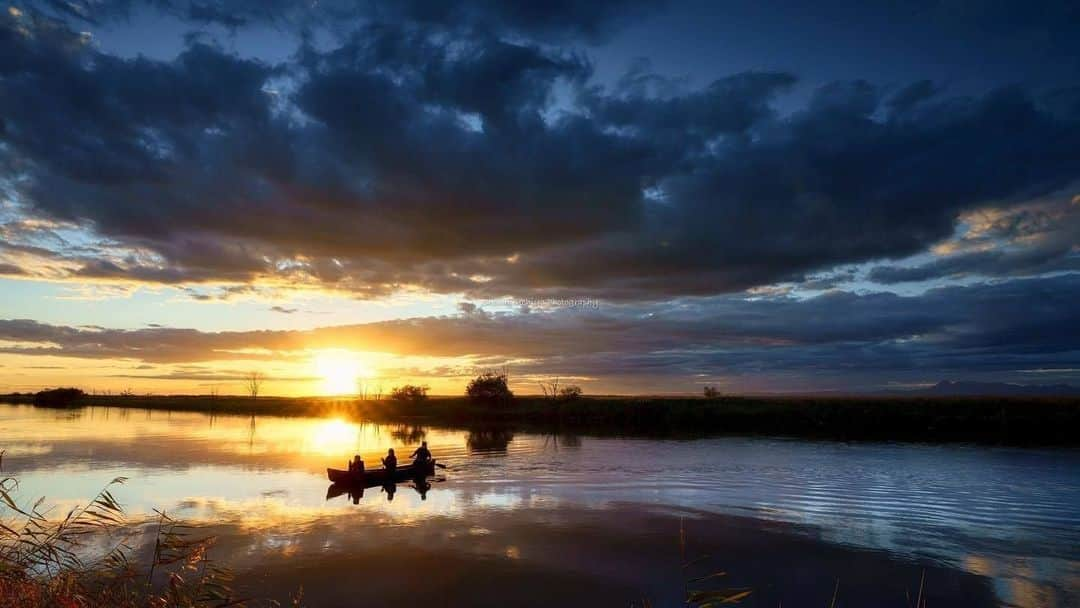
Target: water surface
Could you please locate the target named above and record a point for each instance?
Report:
(530, 519)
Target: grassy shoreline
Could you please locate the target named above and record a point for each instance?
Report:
(1004, 420)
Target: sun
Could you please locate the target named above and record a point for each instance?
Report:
(340, 372)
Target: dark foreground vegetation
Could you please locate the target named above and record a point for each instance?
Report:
(1016, 420)
(51, 563)
(59, 397)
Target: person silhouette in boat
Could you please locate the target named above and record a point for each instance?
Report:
(356, 465)
(390, 462)
(422, 455)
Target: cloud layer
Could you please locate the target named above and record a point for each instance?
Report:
(470, 150)
(1009, 330)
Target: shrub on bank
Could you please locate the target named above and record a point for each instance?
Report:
(555, 392)
(569, 393)
(411, 394)
(59, 397)
(489, 388)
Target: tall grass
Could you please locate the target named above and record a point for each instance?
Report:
(705, 598)
(46, 563)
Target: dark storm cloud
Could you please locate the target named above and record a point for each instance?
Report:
(553, 18)
(465, 160)
(1006, 327)
(834, 185)
(684, 125)
(591, 20)
(11, 269)
(92, 118)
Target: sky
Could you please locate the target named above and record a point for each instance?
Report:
(636, 197)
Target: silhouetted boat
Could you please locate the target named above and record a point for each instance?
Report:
(374, 477)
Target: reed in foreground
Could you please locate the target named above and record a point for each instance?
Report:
(82, 560)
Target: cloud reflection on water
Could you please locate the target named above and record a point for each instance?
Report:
(536, 500)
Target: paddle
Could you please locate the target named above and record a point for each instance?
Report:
(440, 465)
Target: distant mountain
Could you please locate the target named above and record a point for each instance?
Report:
(953, 388)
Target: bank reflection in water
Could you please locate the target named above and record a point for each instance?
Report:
(489, 440)
(409, 433)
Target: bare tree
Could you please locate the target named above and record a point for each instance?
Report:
(253, 382)
(550, 388)
(570, 392)
(556, 392)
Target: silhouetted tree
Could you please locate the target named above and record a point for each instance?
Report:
(556, 392)
(253, 382)
(711, 392)
(489, 388)
(569, 393)
(409, 393)
(58, 397)
(550, 388)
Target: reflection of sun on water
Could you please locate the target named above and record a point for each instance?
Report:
(339, 372)
(334, 437)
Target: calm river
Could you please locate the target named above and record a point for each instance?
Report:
(527, 519)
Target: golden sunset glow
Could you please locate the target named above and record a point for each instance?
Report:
(340, 371)
(325, 302)
(334, 437)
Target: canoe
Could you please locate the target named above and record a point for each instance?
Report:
(372, 477)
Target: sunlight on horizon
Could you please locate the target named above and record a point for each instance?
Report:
(340, 371)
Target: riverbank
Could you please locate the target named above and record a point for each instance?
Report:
(1007, 420)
